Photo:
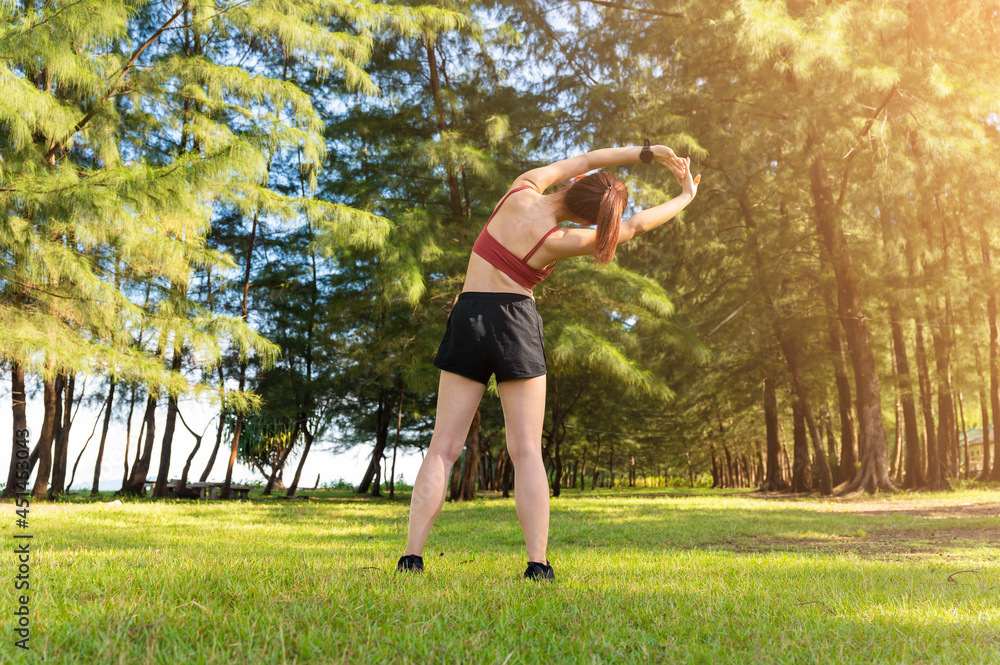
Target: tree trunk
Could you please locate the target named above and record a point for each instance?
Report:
(302, 461)
(991, 312)
(395, 443)
(454, 190)
(182, 484)
(215, 450)
(138, 449)
(597, 464)
(235, 446)
(490, 469)
(470, 469)
(956, 435)
(128, 434)
(897, 415)
(611, 462)
(60, 458)
(104, 436)
(774, 480)
(557, 467)
(20, 425)
(554, 437)
(507, 477)
(930, 435)
(994, 352)
(786, 465)
(45, 438)
(938, 462)
(137, 481)
(896, 470)
(166, 446)
(848, 460)
(913, 477)
(272, 479)
(716, 473)
(831, 446)
(497, 472)
(907, 429)
(821, 470)
(487, 467)
(86, 443)
(759, 476)
(965, 434)
(17, 479)
(800, 463)
(984, 409)
(57, 430)
(873, 473)
(727, 468)
(455, 478)
(244, 313)
(372, 478)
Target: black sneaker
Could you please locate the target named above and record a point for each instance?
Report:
(410, 562)
(538, 571)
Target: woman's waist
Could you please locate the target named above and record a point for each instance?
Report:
(482, 277)
(498, 296)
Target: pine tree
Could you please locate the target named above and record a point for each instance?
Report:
(128, 128)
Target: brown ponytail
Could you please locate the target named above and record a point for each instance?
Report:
(600, 198)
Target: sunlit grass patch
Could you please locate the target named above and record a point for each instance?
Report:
(681, 577)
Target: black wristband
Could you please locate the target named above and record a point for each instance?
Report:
(646, 154)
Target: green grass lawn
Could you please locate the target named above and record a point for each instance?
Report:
(661, 576)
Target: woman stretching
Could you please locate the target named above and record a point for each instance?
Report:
(495, 329)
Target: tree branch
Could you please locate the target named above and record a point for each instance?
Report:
(57, 13)
(38, 288)
(121, 77)
(639, 10)
(864, 130)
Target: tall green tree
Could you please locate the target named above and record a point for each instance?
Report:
(129, 128)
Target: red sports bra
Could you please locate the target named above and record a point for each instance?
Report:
(506, 261)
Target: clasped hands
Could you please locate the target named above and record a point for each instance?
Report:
(679, 166)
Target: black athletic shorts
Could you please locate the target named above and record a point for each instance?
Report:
(493, 333)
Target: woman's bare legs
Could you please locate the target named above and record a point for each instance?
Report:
(524, 414)
(458, 398)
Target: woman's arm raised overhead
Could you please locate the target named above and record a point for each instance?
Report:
(545, 176)
(650, 218)
(567, 243)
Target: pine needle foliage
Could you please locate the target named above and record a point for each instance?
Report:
(125, 129)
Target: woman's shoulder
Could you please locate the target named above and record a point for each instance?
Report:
(520, 206)
(520, 195)
(523, 182)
